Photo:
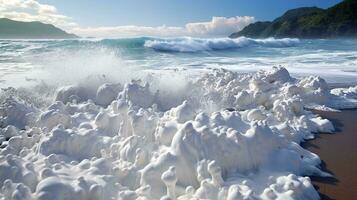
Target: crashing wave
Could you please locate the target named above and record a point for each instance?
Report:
(234, 136)
(189, 44)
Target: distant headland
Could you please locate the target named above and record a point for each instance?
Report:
(308, 22)
(10, 29)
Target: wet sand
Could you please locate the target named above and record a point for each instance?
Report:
(338, 152)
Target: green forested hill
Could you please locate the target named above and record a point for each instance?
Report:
(308, 22)
(10, 29)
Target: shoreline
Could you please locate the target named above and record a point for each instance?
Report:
(337, 153)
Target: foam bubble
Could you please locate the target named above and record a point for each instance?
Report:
(233, 136)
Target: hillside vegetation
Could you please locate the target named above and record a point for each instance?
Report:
(308, 22)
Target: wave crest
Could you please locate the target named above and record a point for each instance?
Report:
(189, 44)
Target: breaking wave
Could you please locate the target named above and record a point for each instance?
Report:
(188, 44)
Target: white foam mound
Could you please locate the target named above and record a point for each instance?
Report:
(234, 136)
(188, 44)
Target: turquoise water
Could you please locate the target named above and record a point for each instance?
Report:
(23, 61)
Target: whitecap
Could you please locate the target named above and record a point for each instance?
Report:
(189, 44)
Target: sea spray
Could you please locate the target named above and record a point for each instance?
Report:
(63, 62)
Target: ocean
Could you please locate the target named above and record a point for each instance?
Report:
(154, 118)
(25, 62)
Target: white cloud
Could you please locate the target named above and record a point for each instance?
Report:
(32, 10)
(218, 26)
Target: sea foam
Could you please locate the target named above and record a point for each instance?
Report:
(188, 44)
(232, 136)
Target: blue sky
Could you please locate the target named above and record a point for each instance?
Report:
(173, 12)
(163, 18)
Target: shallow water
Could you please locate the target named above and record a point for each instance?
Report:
(27, 61)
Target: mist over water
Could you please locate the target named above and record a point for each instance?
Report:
(63, 62)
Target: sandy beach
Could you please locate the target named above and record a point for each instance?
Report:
(338, 153)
